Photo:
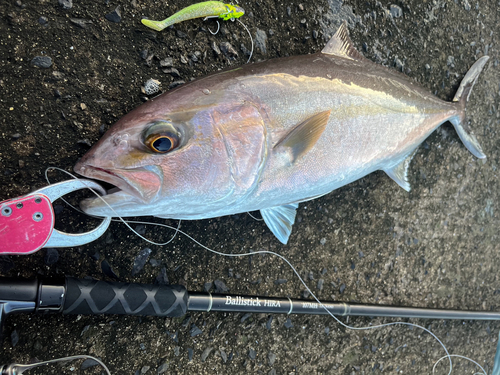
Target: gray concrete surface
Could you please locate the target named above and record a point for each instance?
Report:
(369, 242)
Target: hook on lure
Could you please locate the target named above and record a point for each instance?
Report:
(206, 9)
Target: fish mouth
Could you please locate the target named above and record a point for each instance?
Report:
(131, 186)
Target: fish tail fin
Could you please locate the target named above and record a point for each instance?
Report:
(461, 97)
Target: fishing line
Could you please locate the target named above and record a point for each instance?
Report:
(253, 217)
(460, 356)
(251, 39)
(448, 355)
(17, 369)
(246, 28)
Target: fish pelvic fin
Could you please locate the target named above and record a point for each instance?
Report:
(399, 172)
(280, 220)
(305, 135)
(461, 97)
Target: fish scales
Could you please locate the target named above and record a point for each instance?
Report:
(268, 136)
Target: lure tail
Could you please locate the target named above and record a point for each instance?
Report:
(462, 96)
(155, 25)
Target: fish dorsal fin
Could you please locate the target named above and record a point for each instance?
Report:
(305, 135)
(399, 173)
(341, 45)
(280, 220)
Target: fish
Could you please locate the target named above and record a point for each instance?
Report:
(268, 136)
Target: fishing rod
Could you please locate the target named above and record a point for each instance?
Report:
(90, 297)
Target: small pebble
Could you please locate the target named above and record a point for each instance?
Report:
(175, 84)
(42, 61)
(80, 22)
(51, 256)
(190, 354)
(271, 357)
(228, 50)
(207, 287)
(342, 288)
(66, 4)
(154, 262)
(205, 354)
(280, 281)
(180, 34)
(14, 338)
(215, 47)
(396, 11)
(15, 136)
(252, 354)
(173, 72)
(140, 260)
(220, 287)
(261, 41)
(43, 20)
(85, 142)
(167, 62)
(162, 278)
(272, 372)
(268, 323)
(115, 15)
(288, 323)
(223, 355)
(177, 351)
(163, 368)
(88, 363)
(107, 270)
(145, 369)
(144, 54)
(320, 284)
(195, 331)
(450, 61)
(184, 59)
(245, 317)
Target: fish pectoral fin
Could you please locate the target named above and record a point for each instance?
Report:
(280, 220)
(341, 45)
(399, 172)
(305, 135)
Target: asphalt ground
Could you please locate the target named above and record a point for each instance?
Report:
(368, 242)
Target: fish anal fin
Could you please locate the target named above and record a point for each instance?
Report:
(341, 45)
(280, 220)
(399, 172)
(305, 135)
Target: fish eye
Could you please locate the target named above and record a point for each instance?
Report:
(161, 137)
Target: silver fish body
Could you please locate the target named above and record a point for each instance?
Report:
(268, 136)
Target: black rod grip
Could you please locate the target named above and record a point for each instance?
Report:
(102, 297)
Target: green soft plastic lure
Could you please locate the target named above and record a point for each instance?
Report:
(206, 9)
